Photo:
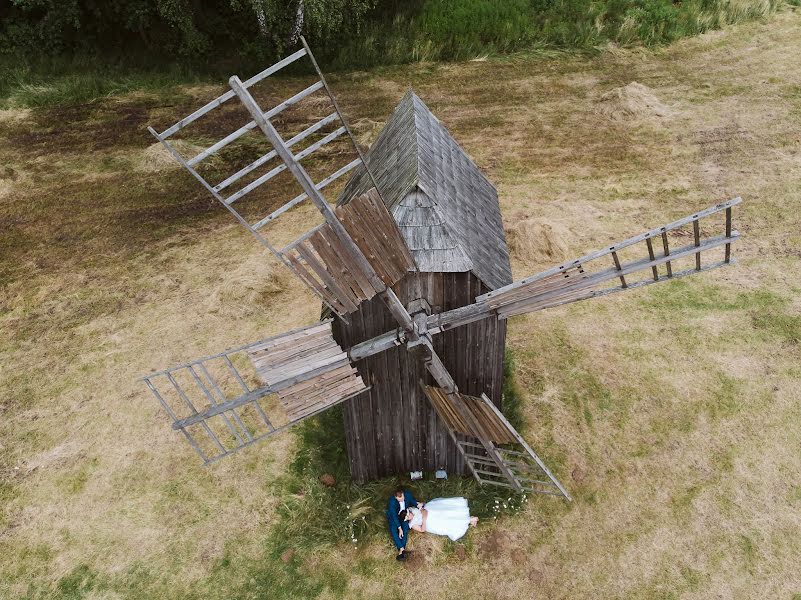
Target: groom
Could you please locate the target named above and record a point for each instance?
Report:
(400, 500)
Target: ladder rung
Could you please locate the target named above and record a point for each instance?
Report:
(303, 196)
(245, 128)
(318, 144)
(302, 238)
(500, 483)
(230, 93)
(272, 153)
(255, 183)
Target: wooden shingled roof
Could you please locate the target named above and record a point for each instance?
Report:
(446, 210)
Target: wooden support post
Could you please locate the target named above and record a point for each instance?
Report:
(619, 268)
(697, 234)
(652, 257)
(728, 234)
(667, 253)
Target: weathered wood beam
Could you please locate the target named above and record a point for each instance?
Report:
(230, 94)
(619, 246)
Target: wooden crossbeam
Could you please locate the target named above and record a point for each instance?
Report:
(728, 234)
(518, 300)
(230, 94)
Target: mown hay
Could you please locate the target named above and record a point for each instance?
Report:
(631, 102)
(536, 240)
(156, 157)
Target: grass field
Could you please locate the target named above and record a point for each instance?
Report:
(673, 414)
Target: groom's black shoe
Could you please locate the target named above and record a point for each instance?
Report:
(401, 556)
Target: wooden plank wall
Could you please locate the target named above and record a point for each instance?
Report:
(392, 428)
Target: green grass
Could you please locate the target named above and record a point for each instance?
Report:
(465, 29)
(65, 81)
(433, 30)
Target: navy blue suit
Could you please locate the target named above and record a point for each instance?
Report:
(393, 508)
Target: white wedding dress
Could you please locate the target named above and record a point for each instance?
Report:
(446, 516)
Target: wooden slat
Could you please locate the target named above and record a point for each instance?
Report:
(347, 299)
(320, 288)
(398, 253)
(363, 233)
(340, 268)
(618, 267)
(345, 257)
(727, 258)
(496, 429)
(372, 228)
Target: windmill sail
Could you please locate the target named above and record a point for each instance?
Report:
(342, 271)
(589, 276)
(227, 401)
(608, 270)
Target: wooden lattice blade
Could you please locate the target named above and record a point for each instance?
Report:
(227, 401)
(308, 369)
(589, 276)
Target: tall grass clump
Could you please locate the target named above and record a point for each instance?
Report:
(69, 81)
(465, 29)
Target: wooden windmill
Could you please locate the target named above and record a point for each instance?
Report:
(412, 267)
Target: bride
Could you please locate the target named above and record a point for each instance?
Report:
(441, 516)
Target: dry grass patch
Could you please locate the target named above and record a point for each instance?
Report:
(676, 406)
